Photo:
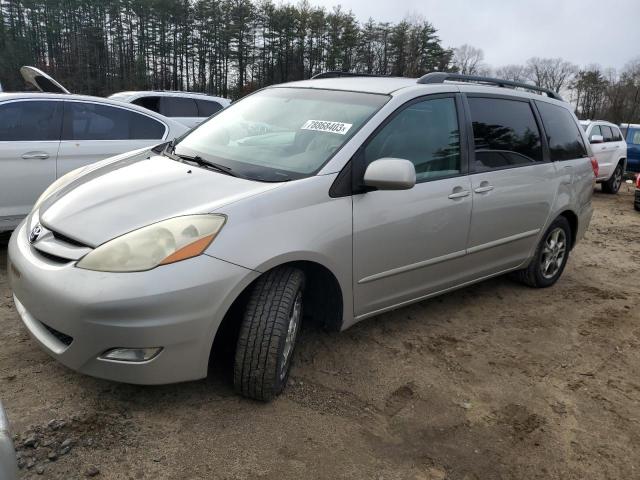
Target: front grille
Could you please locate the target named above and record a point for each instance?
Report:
(63, 337)
(53, 258)
(64, 238)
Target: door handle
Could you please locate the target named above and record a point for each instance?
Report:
(486, 188)
(460, 194)
(35, 156)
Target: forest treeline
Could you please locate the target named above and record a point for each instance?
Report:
(232, 47)
(223, 47)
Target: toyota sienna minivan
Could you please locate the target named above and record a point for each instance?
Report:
(333, 199)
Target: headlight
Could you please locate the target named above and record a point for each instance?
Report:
(58, 184)
(164, 242)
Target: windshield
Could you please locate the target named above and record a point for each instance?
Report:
(281, 134)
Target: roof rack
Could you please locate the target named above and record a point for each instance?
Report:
(337, 74)
(441, 77)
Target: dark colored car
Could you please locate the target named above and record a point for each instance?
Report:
(631, 133)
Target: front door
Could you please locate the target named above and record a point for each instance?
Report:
(410, 243)
(29, 141)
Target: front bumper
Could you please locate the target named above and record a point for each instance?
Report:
(76, 315)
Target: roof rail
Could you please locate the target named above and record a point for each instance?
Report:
(441, 77)
(337, 74)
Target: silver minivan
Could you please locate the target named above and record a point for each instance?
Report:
(334, 199)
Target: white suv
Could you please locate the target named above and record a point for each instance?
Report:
(190, 109)
(610, 150)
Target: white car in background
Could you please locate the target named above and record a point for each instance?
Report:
(45, 135)
(610, 149)
(190, 109)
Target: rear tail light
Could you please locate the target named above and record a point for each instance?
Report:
(594, 165)
(638, 180)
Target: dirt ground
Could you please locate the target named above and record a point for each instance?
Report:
(496, 381)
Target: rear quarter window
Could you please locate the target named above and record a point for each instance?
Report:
(563, 133)
(206, 108)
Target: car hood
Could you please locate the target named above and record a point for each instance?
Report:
(127, 194)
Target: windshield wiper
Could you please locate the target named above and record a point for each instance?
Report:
(207, 164)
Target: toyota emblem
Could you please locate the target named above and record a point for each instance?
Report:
(35, 233)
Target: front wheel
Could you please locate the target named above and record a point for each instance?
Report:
(268, 334)
(613, 184)
(550, 258)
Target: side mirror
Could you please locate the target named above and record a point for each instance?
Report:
(596, 139)
(390, 174)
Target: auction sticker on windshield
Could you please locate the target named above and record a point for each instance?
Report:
(326, 126)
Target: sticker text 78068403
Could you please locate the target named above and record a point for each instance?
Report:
(326, 126)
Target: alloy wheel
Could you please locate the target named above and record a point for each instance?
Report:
(553, 253)
(292, 333)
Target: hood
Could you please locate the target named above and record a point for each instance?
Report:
(40, 80)
(137, 191)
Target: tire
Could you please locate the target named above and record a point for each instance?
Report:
(268, 334)
(613, 184)
(535, 275)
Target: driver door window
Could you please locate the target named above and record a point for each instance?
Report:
(425, 133)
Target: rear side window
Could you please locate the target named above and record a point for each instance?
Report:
(30, 121)
(607, 133)
(505, 133)
(91, 121)
(563, 133)
(150, 103)
(206, 108)
(634, 136)
(425, 133)
(617, 136)
(178, 107)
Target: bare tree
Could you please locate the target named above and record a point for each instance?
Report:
(468, 60)
(515, 73)
(551, 73)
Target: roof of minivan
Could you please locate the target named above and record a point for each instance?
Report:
(384, 85)
(390, 85)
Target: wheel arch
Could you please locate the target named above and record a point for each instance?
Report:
(324, 301)
(624, 164)
(572, 218)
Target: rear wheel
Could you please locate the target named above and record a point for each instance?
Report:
(550, 258)
(268, 334)
(613, 184)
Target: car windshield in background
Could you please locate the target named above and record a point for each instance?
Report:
(281, 134)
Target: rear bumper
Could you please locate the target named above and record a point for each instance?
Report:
(8, 465)
(636, 202)
(76, 315)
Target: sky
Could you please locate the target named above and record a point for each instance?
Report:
(511, 31)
